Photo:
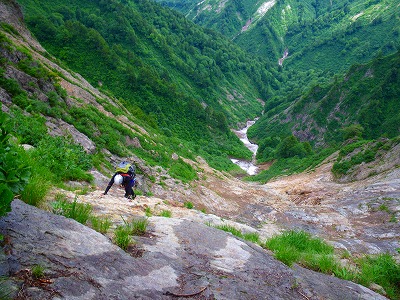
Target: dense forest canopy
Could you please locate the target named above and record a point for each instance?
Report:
(185, 81)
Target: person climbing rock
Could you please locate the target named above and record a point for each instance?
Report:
(124, 175)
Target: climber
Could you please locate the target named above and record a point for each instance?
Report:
(125, 176)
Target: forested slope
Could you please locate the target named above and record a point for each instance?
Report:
(187, 82)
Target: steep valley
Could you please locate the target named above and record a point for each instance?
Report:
(181, 257)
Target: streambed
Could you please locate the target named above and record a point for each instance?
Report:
(248, 166)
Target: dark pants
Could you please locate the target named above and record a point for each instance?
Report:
(128, 184)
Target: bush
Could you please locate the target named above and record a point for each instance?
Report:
(14, 174)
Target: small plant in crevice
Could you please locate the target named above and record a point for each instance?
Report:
(166, 213)
(37, 271)
(139, 226)
(148, 212)
(122, 236)
(100, 224)
(188, 205)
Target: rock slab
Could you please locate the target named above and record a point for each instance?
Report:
(178, 258)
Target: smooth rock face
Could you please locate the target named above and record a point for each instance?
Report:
(179, 257)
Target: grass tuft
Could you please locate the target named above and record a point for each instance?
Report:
(80, 212)
(37, 271)
(188, 205)
(122, 236)
(139, 226)
(100, 224)
(166, 214)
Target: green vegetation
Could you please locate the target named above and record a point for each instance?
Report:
(382, 270)
(360, 152)
(122, 236)
(80, 212)
(165, 213)
(139, 226)
(37, 271)
(188, 205)
(313, 253)
(148, 212)
(248, 236)
(292, 165)
(296, 246)
(183, 171)
(100, 224)
(5, 290)
(166, 71)
(14, 174)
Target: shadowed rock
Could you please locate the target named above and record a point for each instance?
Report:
(179, 257)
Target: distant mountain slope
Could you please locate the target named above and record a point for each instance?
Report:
(191, 83)
(321, 35)
(368, 95)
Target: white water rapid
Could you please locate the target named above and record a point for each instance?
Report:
(246, 165)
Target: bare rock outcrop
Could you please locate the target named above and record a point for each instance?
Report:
(178, 258)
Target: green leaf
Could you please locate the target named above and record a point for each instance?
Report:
(6, 197)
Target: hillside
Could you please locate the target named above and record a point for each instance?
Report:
(319, 35)
(153, 58)
(73, 134)
(366, 95)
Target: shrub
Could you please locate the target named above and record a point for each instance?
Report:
(14, 174)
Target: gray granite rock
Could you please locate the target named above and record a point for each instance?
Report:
(177, 257)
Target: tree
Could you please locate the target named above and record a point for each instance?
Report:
(354, 130)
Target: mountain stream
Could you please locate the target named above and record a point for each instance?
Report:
(248, 166)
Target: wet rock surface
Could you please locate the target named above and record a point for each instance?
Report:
(180, 257)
